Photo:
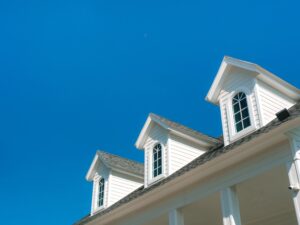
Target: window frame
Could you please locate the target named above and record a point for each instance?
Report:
(153, 179)
(99, 191)
(158, 160)
(233, 134)
(237, 100)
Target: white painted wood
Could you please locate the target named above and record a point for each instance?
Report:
(263, 100)
(182, 152)
(102, 171)
(294, 182)
(116, 186)
(121, 185)
(237, 80)
(230, 207)
(156, 135)
(293, 168)
(176, 217)
(271, 101)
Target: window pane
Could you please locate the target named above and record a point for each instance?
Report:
(236, 107)
(159, 162)
(241, 112)
(239, 126)
(101, 192)
(245, 113)
(234, 100)
(244, 103)
(237, 117)
(246, 122)
(159, 170)
(159, 154)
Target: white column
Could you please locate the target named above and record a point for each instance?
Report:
(293, 169)
(230, 207)
(176, 217)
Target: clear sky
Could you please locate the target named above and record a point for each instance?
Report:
(82, 75)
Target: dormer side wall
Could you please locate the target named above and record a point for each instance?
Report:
(271, 101)
(121, 185)
(182, 152)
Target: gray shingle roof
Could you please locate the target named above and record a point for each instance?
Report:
(118, 162)
(208, 156)
(186, 130)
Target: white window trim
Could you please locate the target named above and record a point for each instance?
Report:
(233, 135)
(96, 196)
(152, 179)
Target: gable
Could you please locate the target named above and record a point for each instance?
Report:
(229, 64)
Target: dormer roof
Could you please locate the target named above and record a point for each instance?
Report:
(116, 163)
(175, 128)
(257, 71)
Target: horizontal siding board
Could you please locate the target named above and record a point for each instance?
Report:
(121, 185)
(272, 102)
(182, 152)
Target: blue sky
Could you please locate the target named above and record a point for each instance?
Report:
(77, 76)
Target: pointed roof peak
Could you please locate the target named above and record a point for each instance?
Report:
(175, 127)
(115, 162)
(258, 72)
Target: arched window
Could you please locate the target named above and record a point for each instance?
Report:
(101, 192)
(157, 160)
(240, 111)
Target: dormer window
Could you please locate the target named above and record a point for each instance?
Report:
(101, 192)
(157, 160)
(240, 111)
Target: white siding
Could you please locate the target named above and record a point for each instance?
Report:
(271, 102)
(182, 152)
(121, 185)
(157, 134)
(237, 80)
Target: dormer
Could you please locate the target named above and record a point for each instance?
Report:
(168, 146)
(113, 178)
(249, 97)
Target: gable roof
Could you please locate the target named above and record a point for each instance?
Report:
(202, 159)
(115, 162)
(176, 128)
(258, 71)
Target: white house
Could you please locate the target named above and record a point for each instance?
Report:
(251, 176)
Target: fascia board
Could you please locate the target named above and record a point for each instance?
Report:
(215, 87)
(145, 131)
(259, 72)
(89, 175)
(277, 83)
(127, 173)
(195, 140)
(142, 136)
